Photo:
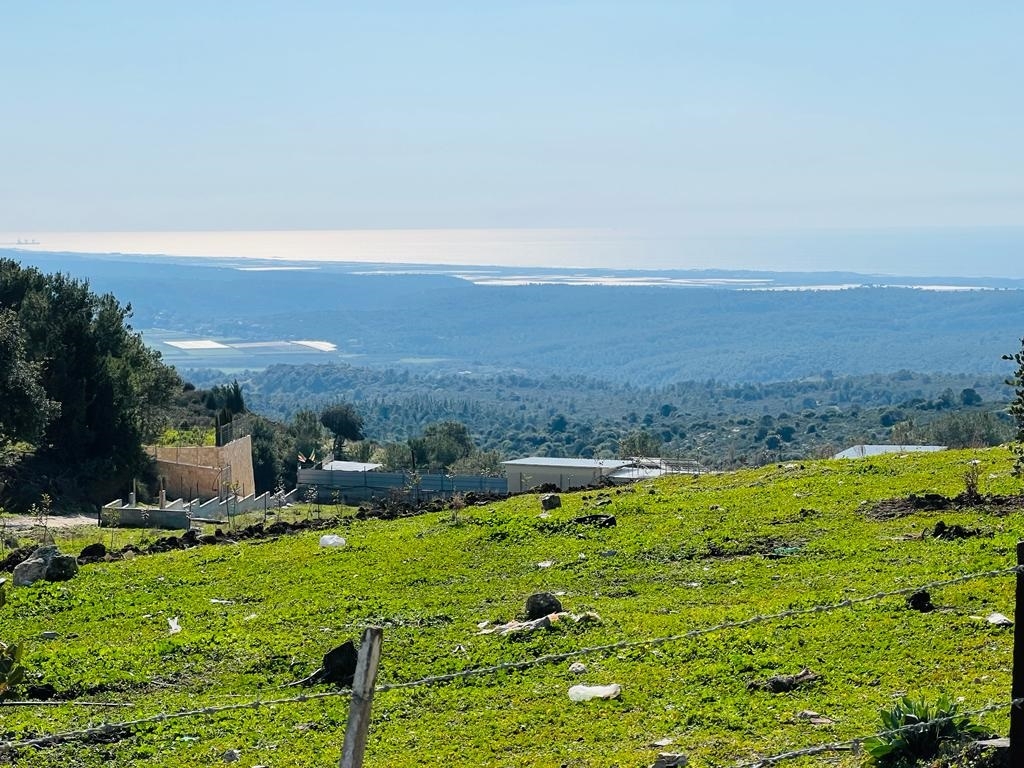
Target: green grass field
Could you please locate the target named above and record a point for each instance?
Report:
(687, 553)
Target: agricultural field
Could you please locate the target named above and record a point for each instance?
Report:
(690, 559)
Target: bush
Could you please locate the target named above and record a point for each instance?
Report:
(11, 670)
(918, 730)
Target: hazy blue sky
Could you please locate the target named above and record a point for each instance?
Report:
(689, 118)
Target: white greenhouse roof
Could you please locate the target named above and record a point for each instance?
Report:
(351, 466)
(549, 461)
(860, 451)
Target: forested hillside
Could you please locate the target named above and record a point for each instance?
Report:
(721, 424)
(705, 325)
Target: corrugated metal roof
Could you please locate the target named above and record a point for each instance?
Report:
(860, 451)
(549, 461)
(351, 466)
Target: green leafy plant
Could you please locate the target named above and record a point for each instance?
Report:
(11, 670)
(41, 513)
(918, 729)
(972, 481)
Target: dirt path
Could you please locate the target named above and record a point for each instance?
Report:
(27, 522)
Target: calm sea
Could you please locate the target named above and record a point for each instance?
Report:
(993, 252)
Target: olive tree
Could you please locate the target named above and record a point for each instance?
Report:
(1017, 407)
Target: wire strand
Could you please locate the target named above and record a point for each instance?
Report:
(552, 658)
(837, 746)
(108, 728)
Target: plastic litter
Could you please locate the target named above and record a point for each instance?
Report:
(588, 692)
(174, 626)
(999, 620)
(331, 540)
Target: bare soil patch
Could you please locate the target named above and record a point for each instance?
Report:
(891, 509)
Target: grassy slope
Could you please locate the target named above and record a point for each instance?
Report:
(429, 582)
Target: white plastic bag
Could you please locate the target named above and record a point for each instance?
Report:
(588, 692)
(331, 540)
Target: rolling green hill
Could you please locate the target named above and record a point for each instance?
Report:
(687, 555)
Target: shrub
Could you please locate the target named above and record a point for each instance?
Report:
(917, 730)
(11, 671)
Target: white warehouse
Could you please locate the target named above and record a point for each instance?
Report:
(533, 471)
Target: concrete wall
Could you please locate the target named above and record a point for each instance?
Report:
(180, 513)
(140, 517)
(205, 471)
(238, 455)
(215, 509)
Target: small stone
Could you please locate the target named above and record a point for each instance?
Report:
(670, 760)
(542, 604)
(814, 718)
(550, 501)
(48, 635)
(231, 756)
(920, 601)
(577, 668)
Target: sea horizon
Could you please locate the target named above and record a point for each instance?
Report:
(955, 252)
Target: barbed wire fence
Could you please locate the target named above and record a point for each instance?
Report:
(1015, 703)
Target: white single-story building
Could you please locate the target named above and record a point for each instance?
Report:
(533, 471)
(860, 451)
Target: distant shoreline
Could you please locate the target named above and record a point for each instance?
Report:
(991, 253)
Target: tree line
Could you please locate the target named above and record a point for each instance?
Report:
(80, 393)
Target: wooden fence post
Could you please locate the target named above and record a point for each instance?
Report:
(362, 698)
(1017, 684)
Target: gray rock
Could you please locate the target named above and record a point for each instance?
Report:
(62, 567)
(550, 501)
(541, 604)
(29, 572)
(46, 552)
(46, 562)
(670, 760)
